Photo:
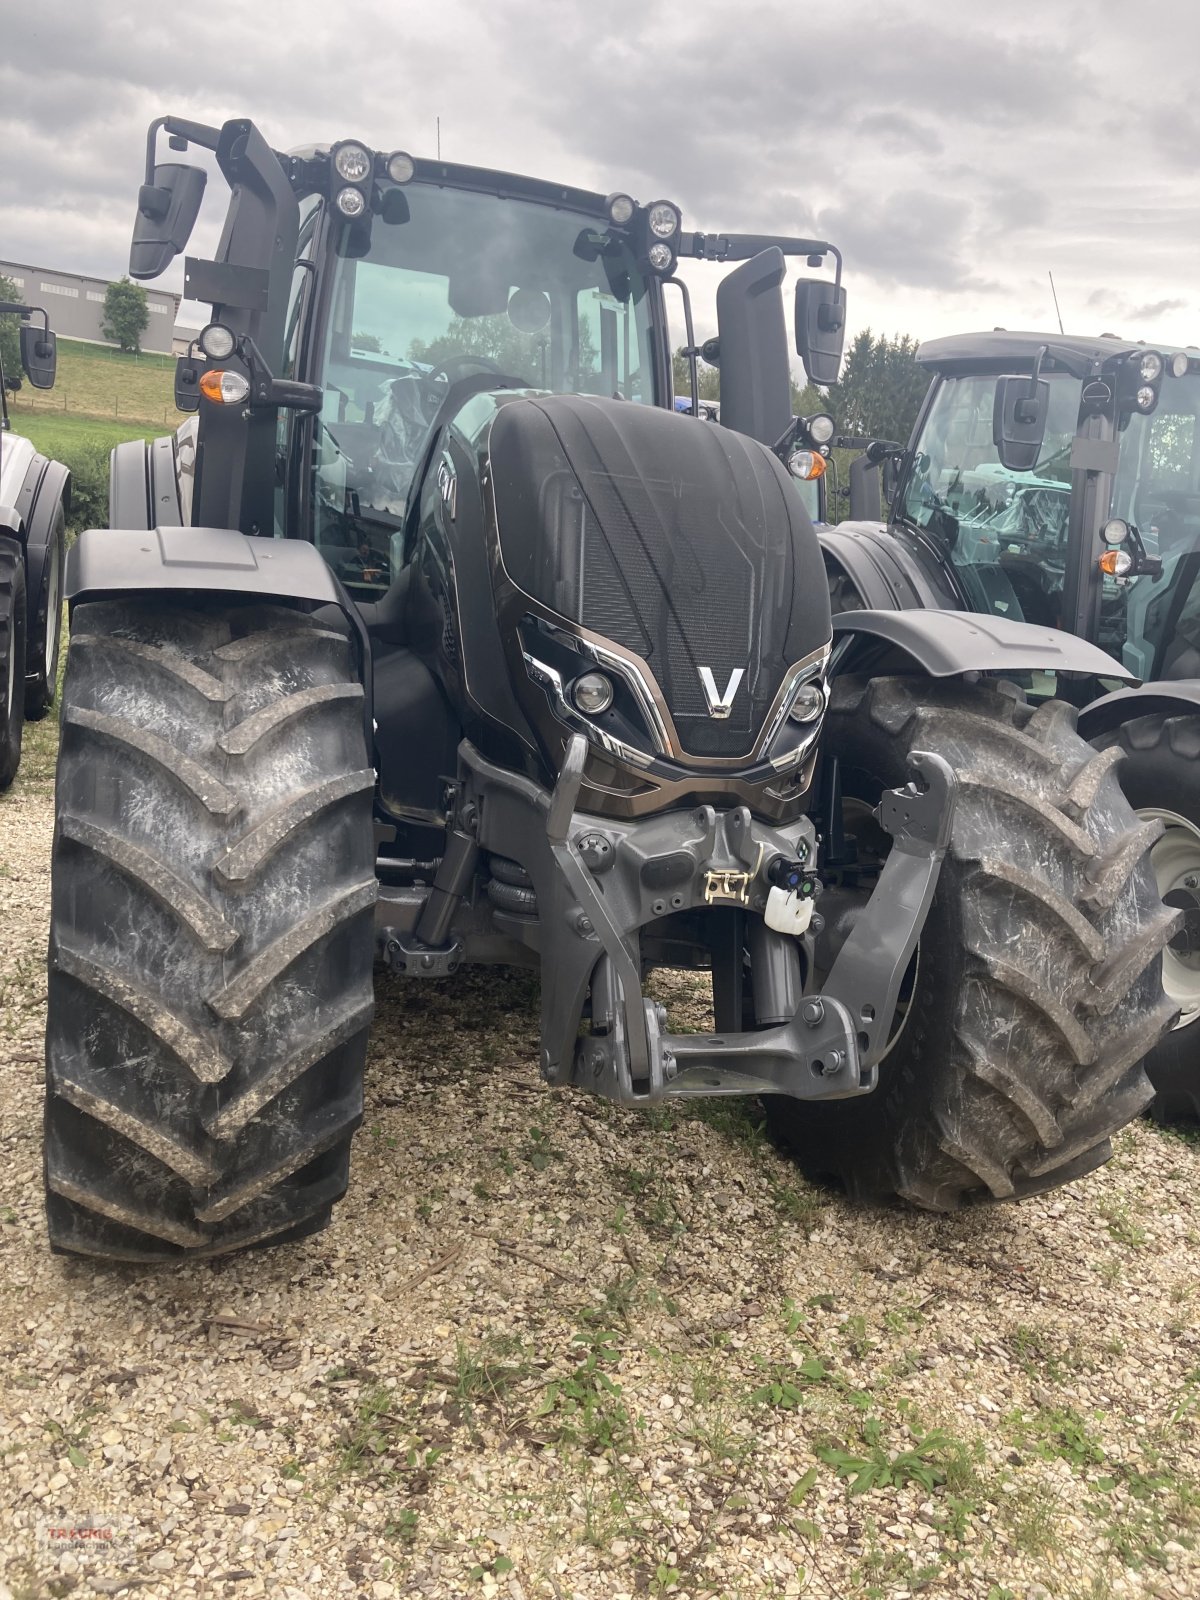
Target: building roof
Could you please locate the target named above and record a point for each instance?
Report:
(89, 278)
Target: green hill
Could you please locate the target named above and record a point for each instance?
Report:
(94, 381)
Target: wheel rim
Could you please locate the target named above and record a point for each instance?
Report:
(53, 615)
(1176, 862)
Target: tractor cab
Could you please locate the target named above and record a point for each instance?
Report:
(1057, 480)
(415, 284)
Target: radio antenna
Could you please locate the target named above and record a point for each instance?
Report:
(1054, 292)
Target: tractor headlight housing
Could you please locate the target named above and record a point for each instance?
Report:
(663, 219)
(352, 162)
(809, 702)
(217, 341)
(1151, 367)
(592, 693)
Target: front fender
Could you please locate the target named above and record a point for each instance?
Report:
(114, 561)
(1173, 698)
(944, 643)
(883, 570)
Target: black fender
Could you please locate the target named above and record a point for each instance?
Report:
(944, 643)
(53, 489)
(107, 562)
(45, 484)
(883, 569)
(143, 489)
(1168, 698)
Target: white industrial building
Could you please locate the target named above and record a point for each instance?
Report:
(75, 304)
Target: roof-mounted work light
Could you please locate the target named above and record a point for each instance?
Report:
(351, 173)
(661, 226)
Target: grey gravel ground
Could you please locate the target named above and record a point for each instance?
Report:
(552, 1349)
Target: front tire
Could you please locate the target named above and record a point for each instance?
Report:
(211, 940)
(1161, 779)
(1036, 991)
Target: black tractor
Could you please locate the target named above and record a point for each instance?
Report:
(437, 637)
(35, 495)
(1056, 480)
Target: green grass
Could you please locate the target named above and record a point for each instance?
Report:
(83, 444)
(93, 381)
(62, 437)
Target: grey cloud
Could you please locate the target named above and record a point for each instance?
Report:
(899, 133)
(948, 151)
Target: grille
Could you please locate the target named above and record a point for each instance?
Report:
(664, 579)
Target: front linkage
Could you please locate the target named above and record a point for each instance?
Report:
(604, 882)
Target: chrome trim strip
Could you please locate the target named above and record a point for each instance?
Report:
(603, 655)
(551, 681)
(635, 672)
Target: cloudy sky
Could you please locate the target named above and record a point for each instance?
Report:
(956, 153)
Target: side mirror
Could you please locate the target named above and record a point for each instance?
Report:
(756, 391)
(820, 328)
(1019, 421)
(166, 214)
(39, 356)
(187, 382)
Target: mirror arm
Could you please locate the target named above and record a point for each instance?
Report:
(692, 350)
(1027, 410)
(268, 390)
(178, 128)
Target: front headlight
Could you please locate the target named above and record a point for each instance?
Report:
(592, 693)
(808, 704)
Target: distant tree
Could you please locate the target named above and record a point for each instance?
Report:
(492, 338)
(369, 343)
(10, 336)
(126, 313)
(881, 387)
(809, 400)
(806, 400)
(495, 339)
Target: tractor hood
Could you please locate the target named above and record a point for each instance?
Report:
(682, 545)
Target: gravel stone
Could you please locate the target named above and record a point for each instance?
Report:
(551, 1348)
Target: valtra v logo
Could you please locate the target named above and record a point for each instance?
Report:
(720, 705)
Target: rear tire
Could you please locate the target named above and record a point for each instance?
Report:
(45, 623)
(1036, 991)
(211, 940)
(1161, 778)
(12, 659)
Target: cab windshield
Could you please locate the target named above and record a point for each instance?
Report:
(1005, 532)
(468, 286)
(1153, 623)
